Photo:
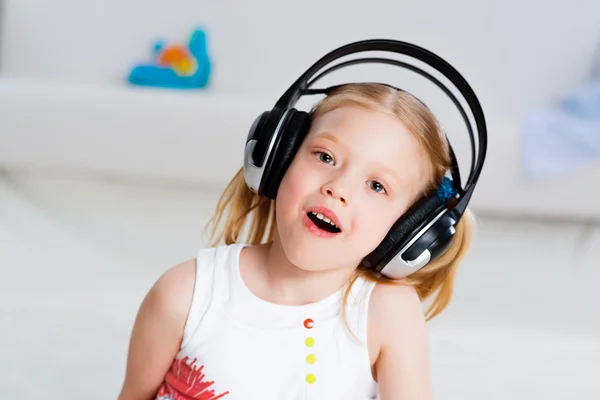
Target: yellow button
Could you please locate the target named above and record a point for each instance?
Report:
(310, 342)
(311, 358)
(310, 378)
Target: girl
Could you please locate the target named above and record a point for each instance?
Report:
(290, 312)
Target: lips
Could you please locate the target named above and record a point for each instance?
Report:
(326, 212)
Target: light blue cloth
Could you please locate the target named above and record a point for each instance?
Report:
(561, 140)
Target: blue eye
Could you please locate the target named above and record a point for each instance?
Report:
(377, 187)
(324, 157)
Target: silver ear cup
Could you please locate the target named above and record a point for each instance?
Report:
(401, 267)
(254, 173)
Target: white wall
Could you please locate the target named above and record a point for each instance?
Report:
(517, 54)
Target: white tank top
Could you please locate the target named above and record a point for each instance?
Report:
(237, 346)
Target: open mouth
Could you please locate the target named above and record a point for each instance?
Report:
(322, 222)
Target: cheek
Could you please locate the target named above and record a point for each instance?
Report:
(374, 224)
(288, 188)
(292, 190)
(296, 181)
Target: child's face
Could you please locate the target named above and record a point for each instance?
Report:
(364, 166)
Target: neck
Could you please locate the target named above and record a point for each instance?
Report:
(279, 281)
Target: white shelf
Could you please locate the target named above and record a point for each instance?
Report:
(188, 135)
(199, 136)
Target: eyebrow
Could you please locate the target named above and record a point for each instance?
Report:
(331, 138)
(389, 171)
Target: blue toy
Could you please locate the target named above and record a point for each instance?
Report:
(176, 66)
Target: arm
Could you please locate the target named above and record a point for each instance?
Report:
(402, 367)
(157, 332)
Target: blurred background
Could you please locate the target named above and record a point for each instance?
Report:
(107, 177)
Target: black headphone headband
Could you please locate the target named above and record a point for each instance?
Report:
(300, 87)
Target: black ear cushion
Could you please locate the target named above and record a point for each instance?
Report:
(414, 219)
(293, 132)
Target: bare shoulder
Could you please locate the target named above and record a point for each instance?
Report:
(172, 293)
(399, 336)
(394, 303)
(394, 311)
(158, 331)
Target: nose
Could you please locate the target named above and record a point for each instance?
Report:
(338, 189)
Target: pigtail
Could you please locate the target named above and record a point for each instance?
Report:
(435, 282)
(241, 215)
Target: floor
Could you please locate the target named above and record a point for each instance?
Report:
(78, 254)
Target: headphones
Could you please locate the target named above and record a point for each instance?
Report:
(426, 230)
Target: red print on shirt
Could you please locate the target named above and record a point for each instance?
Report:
(187, 382)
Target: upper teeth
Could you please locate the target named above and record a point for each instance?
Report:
(322, 217)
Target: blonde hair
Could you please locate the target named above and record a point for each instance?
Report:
(240, 208)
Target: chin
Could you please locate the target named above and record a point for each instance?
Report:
(303, 256)
(314, 257)
(311, 253)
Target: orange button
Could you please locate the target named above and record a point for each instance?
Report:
(309, 323)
